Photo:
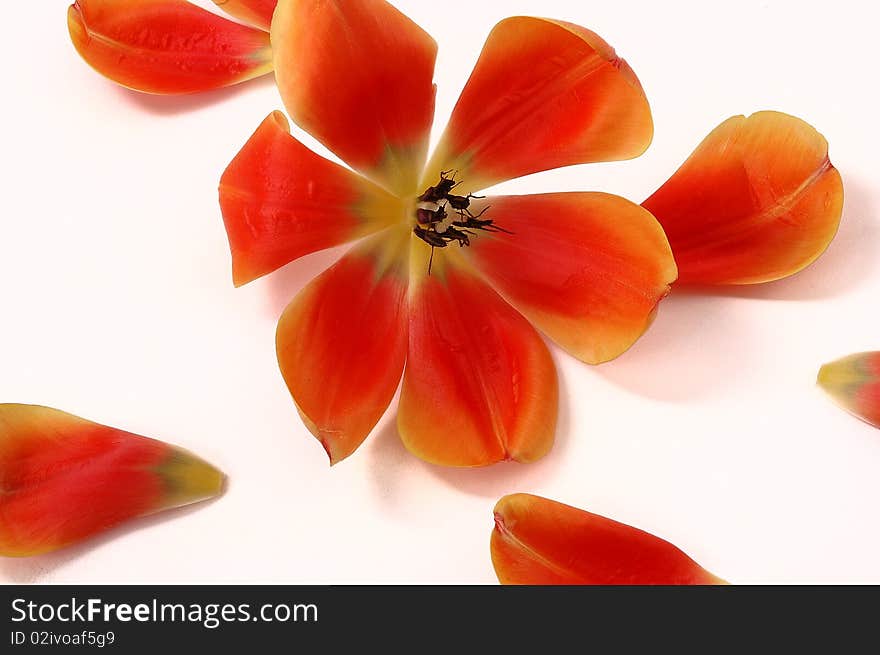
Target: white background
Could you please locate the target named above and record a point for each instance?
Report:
(117, 305)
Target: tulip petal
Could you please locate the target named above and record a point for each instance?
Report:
(541, 542)
(543, 94)
(479, 386)
(854, 384)
(588, 269)
(256, 12)
(757, 201)
(281, 201)
(166, 46)
(63, 479)
(357, 75)
(342, 342)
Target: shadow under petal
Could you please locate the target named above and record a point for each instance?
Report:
(172, 105)
(34, 570)
(389, 459)
(685, 353)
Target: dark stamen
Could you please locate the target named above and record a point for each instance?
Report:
(433, 228)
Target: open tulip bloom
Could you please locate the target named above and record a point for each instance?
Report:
(446, 284)
(443, 287)
(446, 288)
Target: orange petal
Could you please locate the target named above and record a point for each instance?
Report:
(64, 478)
(480, 386)
(541, 542)
(255, 12)
(544, 94)
(166, 46)
(854, 384)
(357, 75)
(281, 201)
(586, 268)
(342, 342)
(757, 201)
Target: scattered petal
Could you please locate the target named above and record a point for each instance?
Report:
(366, 92)
(479, 386)
(166, 46)
(342, 342)
(854, 384)
(757, 201)
(63, 479)
(541, 542)
(588, 269)
(281, 201)
(256, 12)
(543, 94)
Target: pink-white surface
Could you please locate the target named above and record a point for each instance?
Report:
(117, 305)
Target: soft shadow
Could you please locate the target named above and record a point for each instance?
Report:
(685, 354)
(389, 460)
(285, 283)
(499, 479)
(171, 105)
(849, 261)
(32, 570)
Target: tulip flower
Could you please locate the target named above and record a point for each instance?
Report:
(757, 201)
(172, 46)
(541, 542)
(854, 384)
(445, 288)
(63, 479)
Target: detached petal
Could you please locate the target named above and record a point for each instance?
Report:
(479, 386)
(166, 46)
(757, 201)
(255, 12)
(586, 268)
(544, 94)
(281, 201)
(63, 478)
(357, 75)
(854, 384)
(541, 542)
(342, 342)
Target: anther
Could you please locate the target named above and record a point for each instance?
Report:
(438, 228)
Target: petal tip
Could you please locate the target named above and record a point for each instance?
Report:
(190, 479)
(335, 454)
(826, 376)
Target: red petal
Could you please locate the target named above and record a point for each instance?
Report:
(64, 478)
(166, 46)
(281, 201)
(357, 75)
(854, 383)
(255, 12)
(586, 268)
(480, 386)
(342, 342)
(541, 542)
(757, 201)
(543, 94)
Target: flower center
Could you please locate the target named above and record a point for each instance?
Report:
(443, 217)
